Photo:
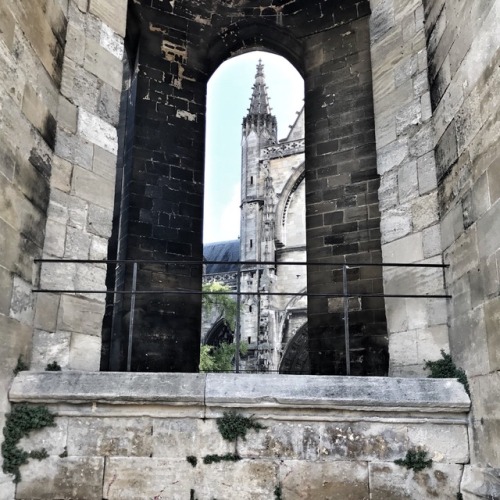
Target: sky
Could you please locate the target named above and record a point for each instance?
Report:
(228, 98)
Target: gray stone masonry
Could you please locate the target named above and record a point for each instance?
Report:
(324, 437)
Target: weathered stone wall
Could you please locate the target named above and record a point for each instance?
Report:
(32, 38)
(127, 436)
(408, 187)
(68, 328)
(464, 71)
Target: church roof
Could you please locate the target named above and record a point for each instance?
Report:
(223, 251)
(259, 102)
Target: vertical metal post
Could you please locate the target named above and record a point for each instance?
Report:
(346, 322)
(238, 332)
(131, 318)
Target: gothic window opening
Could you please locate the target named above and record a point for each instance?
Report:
(270, 205)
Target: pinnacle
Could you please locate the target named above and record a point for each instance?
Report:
(259, 102)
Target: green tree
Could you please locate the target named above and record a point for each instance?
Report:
(219, 359)
(215, 297)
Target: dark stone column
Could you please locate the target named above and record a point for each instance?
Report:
(342, 202)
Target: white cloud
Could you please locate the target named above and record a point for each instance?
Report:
(226, 226)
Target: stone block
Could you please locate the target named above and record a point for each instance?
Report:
(6, 287)
(74, 149)
(405, 250)
(38, 114)
(67, 115)
(452, 225)
(494, 180)
(22, 306)
(93, 188)
(97, 131)
(91, 277)
(129, 437)
(191, 436)
(85, 351)
(396, 314)
(98, 248)
(492, 323)
(108, 106)
(425, 211)
(463, 256)
(61, 174)
(79, 86)
(333, 480)
(112, 42)
(103, 64)
(395, 223)
(75, 43)
(47, 306)
(394, 482)
(392, 155)
(112, 13)
(68, 209)
(77, 314)
(104, 163)
(55, 239)
(402, 349)
(408, 116)
(480, 482)
(407, 181)
(49, 347)
(388, 191)
(444, 443)
(422, 142)
(431, 241)
(54, 477)
(77, 244)
(58, 276)
(488, 231)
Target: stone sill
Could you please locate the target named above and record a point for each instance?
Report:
(209, 394)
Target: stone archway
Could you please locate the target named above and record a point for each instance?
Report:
(296, 356)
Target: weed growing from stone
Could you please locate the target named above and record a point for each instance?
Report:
(53, 367)
(446, 368)
(192, 460)
(460, 496)
(215, 459)
(233, 425)
(415, 459)
(21, 366)
(19, 423)
(278, 494)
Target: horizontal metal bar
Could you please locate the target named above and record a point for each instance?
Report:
(194, 292)
(242, 263)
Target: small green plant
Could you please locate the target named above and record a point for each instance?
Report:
(192, 460)
(278, 494)
(233, 425)
(415, 459)
(21, 366)
(64, 453)
(460, 496)
(19, 423)
(53, 367)
(192, 495)
(214, 459)
(446, 368)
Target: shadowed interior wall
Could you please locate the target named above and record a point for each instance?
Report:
(181, 44)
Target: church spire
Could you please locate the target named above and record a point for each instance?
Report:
(259, 115)
(259, 102)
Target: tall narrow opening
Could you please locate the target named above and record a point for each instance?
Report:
(254, 210)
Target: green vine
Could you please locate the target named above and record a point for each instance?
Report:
(215, 459)
(415, 459)
(233, 425)
(53, 367)
(278, 494)
(446, 368)
(19, 423)
(21, 366)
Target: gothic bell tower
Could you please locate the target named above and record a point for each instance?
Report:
(259, 130)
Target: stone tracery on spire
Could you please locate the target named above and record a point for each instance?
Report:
(259, 102)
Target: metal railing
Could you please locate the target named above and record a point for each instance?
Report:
(251, 265)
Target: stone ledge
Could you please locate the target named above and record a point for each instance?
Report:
(244, 391)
